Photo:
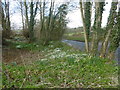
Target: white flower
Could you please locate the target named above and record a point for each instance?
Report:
(45, 59)
(84, 54)
(77, 60)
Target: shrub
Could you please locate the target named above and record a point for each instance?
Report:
(6, 34)
(26, 33)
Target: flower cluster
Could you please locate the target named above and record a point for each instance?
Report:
(59, 53)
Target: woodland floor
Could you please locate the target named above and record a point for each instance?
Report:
(29, 65)
(15, 55)
(11, 54)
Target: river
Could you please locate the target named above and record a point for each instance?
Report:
(81, 46)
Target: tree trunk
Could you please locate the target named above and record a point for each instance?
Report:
(32, 20)
(96, 27)
(110, 25)
(50, 21)
(84, 27)
(6, 20)
(21, 9)
(105, 44)
(1, 12)
(7, 16)
(26, 15)
(31, 24)
(3, 20)
(115, 37)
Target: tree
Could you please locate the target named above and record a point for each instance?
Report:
(33, 13)
(7, 15)
(48, 26)
(109, 28)
(86, 18)
(30, 9)
(6, 19)
(42, 7)
(49, 23)
(1, 12)
(3, 18)
(22, 14)
(26, 14)
(99, 7)
(59, 22)
(21, 8)
(115, 37)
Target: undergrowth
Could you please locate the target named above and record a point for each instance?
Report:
(62, 67)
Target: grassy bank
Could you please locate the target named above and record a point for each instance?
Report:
(74, 36)
(61, 67)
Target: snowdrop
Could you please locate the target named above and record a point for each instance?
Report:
(45, 59)
(77, 60)
(84, 54)
(58, 55)
(64, 63)
(50, 46)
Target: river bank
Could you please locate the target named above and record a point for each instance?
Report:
(81, 46)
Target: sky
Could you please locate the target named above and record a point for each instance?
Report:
(76, 21)
(73, 17)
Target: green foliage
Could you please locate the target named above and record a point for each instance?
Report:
(54, 25)
(74, 35)
(27, 46)
(26, 33)
(115, 35)
(63, 67)
(112, 15)
(99, 8)
(88, 17)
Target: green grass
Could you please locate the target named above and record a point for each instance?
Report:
(63, 67)
(74, 36)
(25, 45)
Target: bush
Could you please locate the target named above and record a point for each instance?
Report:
(6, 34)
(26, 33)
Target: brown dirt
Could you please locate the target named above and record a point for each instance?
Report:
(19, 56)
